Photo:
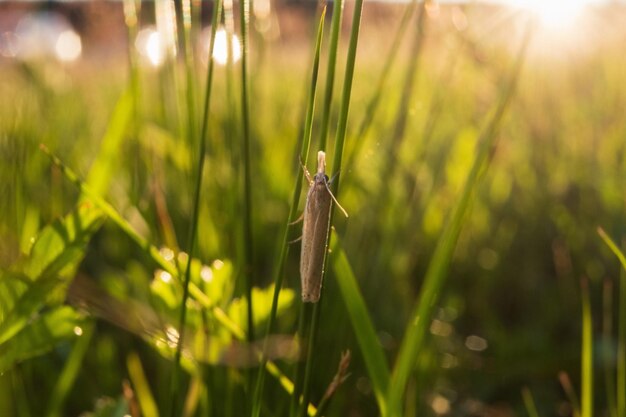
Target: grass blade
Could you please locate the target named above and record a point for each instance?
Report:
(282, 259)
(335, 30)
(586, 372)
(607, 330)
(621, 325)
(372, 105)
(437, 269)
(140, 384)
(371, 350)
(193, 228)
(248, 272)
(529, 402)
(621, 347)
(338, 155)
(70, 371)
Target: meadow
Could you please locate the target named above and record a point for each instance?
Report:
(479, 154)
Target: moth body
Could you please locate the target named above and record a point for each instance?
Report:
(315, 233)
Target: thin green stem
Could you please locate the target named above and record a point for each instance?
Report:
(529, 402)
(586, 365)
(310, 354)
(293, 212)
(305, 312)
(195, 214)
(607, 330)
(338, 154)
(335, 31)
(621, 325)
(248, 272)
(372, 105)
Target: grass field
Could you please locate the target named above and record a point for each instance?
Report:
(480, 156)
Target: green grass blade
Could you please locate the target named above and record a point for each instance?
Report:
(70, 371)
(282, 259)
(335, 31)
(372, 105)
(529, 402)
(621, 347)
(193, 229)
(607, 330)
(372, 352)
(438, 266)
(621, 325)
(586, 375)
(248, 261)
(611, 244)
(140, 384)
(338, 155)
(105, 165)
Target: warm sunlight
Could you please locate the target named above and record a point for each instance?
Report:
(555, 15)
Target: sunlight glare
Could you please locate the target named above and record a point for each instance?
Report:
(220, 49)
(68, 46)
(555, 15)
(150, 45)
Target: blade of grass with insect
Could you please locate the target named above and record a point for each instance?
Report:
(438, 266)
(621, 324)
(586, 365)
(334, 187)
(293, 213)
(70, 371)
(193, 227)
(335, 31)
(248, 271)
(153, 252)
(529, 402)
(373, 355)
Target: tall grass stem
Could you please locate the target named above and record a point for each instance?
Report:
(195, 214)
(293, 212)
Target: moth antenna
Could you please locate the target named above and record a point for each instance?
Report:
(345, 213)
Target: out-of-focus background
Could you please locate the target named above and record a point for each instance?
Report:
(105, 86)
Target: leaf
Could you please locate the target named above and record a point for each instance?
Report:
(436, 273)
(107, 160)
(60, 245)
(43, 333)
(373, 354)
(47, 270)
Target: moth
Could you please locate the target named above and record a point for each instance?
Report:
(316, 218)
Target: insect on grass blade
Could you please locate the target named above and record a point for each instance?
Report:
(315, 231)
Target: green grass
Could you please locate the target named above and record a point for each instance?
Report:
(159, 220)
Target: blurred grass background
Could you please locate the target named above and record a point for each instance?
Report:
(509, 316)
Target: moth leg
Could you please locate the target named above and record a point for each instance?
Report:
(291, 242)
(306, 172)
(298, 220)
